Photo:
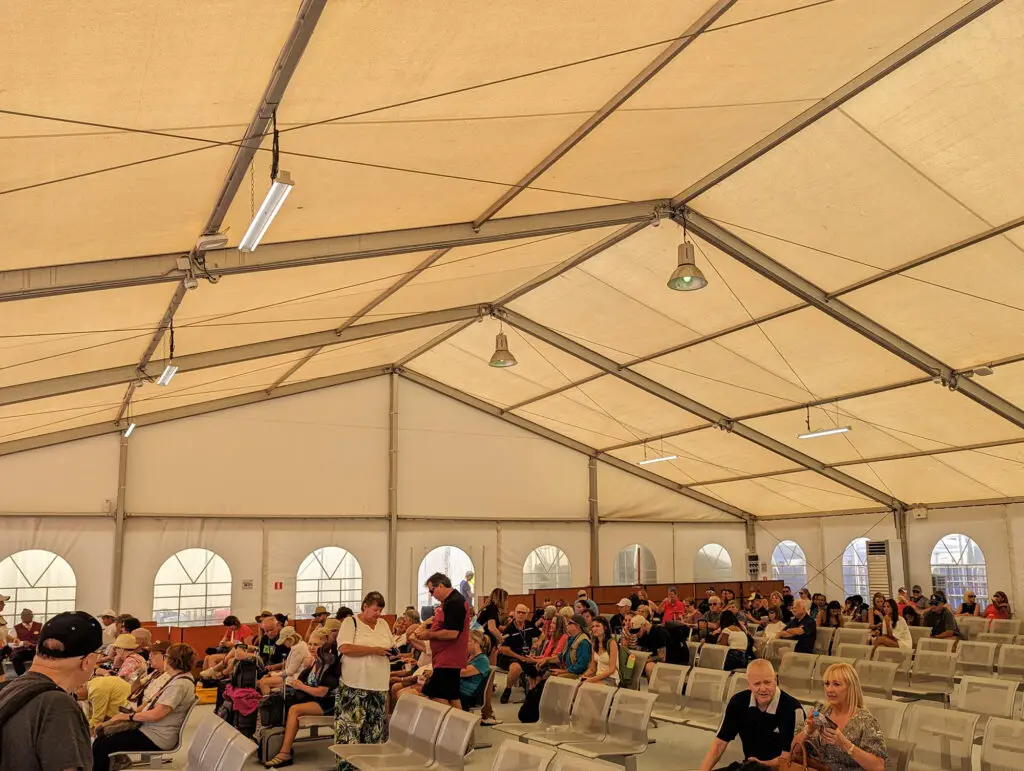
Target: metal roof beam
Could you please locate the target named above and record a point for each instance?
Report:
(779, 274)
(644, 383)
(572, 444)
(129, 373)
(53, 280)
(934, 34)
(189, 411)
(674, 48)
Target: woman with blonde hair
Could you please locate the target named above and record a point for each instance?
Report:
(844, 735)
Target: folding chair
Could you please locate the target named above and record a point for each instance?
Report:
(627, 730)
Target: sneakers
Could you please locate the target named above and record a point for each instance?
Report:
(506, 695)
(490, 721)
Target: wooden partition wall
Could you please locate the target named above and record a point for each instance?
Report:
(607, 597)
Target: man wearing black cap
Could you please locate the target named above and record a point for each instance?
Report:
(940, 618)
(41, 725)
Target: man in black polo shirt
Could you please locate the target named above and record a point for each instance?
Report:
(765, 718)
(801, 627)
(515, 650)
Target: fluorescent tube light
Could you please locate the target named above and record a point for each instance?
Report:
(169, 371)
(128, 431)
(824, 432)
(279, 190)
(656, 460)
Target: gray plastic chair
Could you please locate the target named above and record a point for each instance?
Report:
(976, 658)
(889, 714)
(917, 633)
(823, 640)
(417, 722)
(877, 678)
(205, 731)
(627, 730)
(667, 681)
(851, 636)
(902, 657)
(737, 683)
(156, 757)
(237, 754)
(777, 649)
(854, 651)
(449, 751)
(1002, 749)
(587, 722)
(1009, 626)
(1010, 661)
(942, 738)
(998, 639)
(712, 656)
(566, 761)
(899, 753)
(554, 709)
(932, 674)
(640, 659)
(517, 756)
(944, 645)
(704, 699)
(796, 675)
(984, 696)
(972, 626)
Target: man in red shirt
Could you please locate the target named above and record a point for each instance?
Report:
(672, 609)
(449, 641)
(28, 638)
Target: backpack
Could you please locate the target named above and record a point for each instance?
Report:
(11, 705)
(529, 712)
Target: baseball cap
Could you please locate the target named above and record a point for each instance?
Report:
(636, 622)
(624, 603)
(108, 612)
(916, 588)
(160, 646)
(936, 599)
(579, 621)
(581, 593)
(78, 632)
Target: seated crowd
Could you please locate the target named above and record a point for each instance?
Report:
(354, 667)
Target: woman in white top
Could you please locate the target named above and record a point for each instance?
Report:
(298, 659)
(773, 625)
(365, 642)
(734, 636)
(894, 631)
(604, 664)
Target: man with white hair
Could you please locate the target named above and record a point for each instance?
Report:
(765, 717)
(801, 627)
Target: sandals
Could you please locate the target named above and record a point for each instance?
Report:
(279, 761)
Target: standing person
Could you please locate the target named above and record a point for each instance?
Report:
(970, 605)
(320, 615)
(672, 608)
(490, 618)
(999, 607)
(47, 730)
(801, 627)
(466, 589)
(27, 633)
(364, 642)
(161, 719)
(449, 641)
(764, 717)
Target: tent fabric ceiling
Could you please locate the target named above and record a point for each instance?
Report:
(425, 116)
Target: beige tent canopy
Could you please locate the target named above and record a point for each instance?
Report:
(847, 171)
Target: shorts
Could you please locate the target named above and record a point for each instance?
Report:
(443, 684)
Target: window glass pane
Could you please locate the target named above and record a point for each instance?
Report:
(958, 566)
(546, 567)
(634, 564)
(38, 580)
(789, 565)
(192, 588)
(329, 576)
(855, 568)
(450, 560)
(712, 564)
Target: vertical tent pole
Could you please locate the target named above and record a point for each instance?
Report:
(122, 483)
(595, 557)
(393, 491)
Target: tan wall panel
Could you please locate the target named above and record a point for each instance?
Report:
(67, 478)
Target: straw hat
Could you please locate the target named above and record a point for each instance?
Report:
(126, 642)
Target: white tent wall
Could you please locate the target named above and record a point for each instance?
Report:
(74, 478)
(515, 541)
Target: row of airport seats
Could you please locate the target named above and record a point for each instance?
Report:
(217, 746)
(589, 720)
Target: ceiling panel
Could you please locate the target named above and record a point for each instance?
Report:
(59, 413)
(800, 493)
(462, 362)
(54, 336)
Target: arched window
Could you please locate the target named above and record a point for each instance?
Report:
(193, 588)
(331, 577)
(634, 564)
(855, 568)
(38, 580)
(455, 564)
(958, 565)
(712, 564)
(789, 565)
(546, 567)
